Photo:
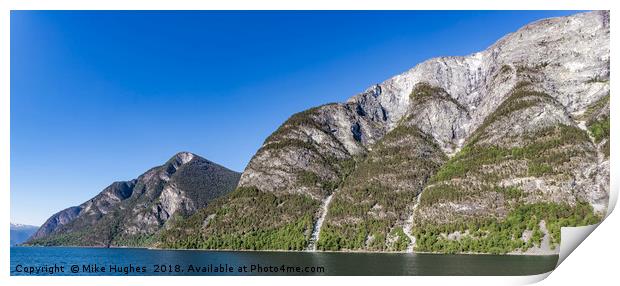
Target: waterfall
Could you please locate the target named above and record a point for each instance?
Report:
(316, 231)
(409, 225)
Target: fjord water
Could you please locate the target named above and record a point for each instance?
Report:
(332, 263)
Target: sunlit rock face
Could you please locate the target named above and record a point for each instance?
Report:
(529, 89)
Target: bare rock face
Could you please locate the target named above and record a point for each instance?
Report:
(128, 213)
(56, 221)
(306, 154)
(436, 113)
(569, 56)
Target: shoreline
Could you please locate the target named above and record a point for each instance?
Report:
(295, 251)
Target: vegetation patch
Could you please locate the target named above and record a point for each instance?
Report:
(367, 211)
(359, 219)
(597, 121)
(531, 69)
(546, 148)
(475, 172)
(402, 240)
(597, 79)
(521, 98)
(247, 219)
(423, 92)
(311, 179)
(601, 106)
(500, 236)
(600, 129)
(505, 69)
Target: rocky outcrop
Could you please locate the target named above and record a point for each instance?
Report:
(129, 213)
(56, 221)
(306, 154)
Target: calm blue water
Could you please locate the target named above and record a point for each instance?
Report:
(118, 261)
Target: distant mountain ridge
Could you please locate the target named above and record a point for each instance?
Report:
(131, 212)
(21, 232)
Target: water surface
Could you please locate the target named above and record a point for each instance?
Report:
(125, 261)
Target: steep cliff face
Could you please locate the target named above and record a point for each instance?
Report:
(311, 152)
(130, 213)
(442, 157)
(567, 56)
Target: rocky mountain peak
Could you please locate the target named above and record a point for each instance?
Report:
(180, 159)
(127, 211)
(184, 157)
(560, 53)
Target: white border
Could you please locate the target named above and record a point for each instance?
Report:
(307, 5)
(593, 261)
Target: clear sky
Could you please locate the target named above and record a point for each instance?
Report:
(98, 97)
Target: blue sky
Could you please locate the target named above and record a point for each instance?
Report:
(98, 97)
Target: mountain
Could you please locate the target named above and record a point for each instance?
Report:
(131, 213)
(21, 232)
(490, 152)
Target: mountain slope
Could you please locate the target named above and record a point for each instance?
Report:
(132, 212)
(517, 130)
(539, 172)
(369, 210)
